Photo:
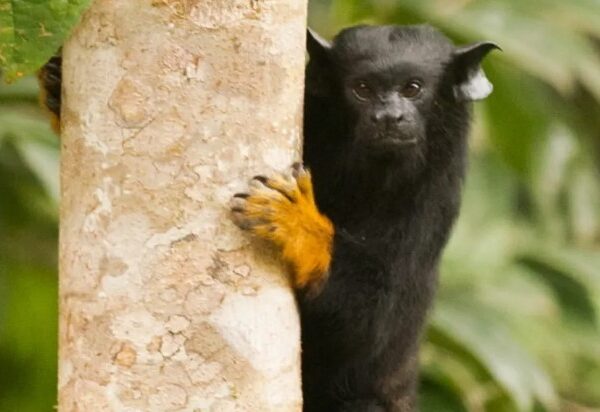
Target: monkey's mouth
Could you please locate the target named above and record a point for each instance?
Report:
(391, 146)
(393, 140)
(402, 142)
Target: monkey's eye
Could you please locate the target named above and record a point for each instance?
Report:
(362, 91)
(412, 89)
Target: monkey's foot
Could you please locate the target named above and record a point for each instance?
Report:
(281, 208)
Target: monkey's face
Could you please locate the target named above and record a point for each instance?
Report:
(389, 104)
(393, 82)
(390, 78)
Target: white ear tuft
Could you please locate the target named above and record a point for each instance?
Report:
(475, 87)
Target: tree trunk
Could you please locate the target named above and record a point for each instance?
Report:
(169, 106)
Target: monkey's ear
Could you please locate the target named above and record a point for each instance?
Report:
(317, 46)
(471, 82)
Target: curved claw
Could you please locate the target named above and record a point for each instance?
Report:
(281, 208)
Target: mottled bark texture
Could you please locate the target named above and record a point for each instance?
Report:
(169, 106)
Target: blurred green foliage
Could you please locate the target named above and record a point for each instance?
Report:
(516, 322)
(28, 237)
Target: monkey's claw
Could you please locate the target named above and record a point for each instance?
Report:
(281, 209)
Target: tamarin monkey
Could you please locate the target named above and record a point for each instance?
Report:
(386, 117)
(363, 221)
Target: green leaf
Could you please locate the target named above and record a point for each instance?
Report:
(578, 15)
(37, 145)
(25, 90)
(31, 31)
(479, 332)
(434, 398)
(584, 202)
(42, 160)
(28, 338)
(453, 375)
(516, 117)
(555, 156)
(572, 273)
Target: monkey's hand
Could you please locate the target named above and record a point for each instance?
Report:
(281, 209)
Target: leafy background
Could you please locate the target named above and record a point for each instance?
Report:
(515, 327)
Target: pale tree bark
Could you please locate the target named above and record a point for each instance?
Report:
(169, 106)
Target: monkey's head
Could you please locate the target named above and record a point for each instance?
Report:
(399, 86)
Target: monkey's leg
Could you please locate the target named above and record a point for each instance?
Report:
(49, 79)
(281, 208)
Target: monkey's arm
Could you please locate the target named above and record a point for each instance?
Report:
(282, 210)
(49, 79)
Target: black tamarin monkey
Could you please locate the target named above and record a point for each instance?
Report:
(386, 117)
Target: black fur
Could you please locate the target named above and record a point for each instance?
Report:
(392, 207)
(50, 77)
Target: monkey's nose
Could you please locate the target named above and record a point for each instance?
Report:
(387, 117)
